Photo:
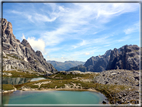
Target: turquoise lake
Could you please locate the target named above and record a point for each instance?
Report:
(53, 97)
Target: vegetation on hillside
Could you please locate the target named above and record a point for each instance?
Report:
(7, 87)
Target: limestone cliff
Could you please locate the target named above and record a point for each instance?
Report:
(19, 55)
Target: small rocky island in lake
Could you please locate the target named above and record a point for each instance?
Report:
(115, 74)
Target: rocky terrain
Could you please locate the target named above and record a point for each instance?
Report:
(63, 66)
(20, 56)
(119, 77)
(122, 77)
(126, 57)
(98, 63)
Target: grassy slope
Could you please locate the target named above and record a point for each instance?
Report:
(7, 87)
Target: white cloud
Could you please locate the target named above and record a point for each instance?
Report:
(73, 22)
(81, 17)
(48, 50)
(36, 17)
(133, 28)
(44, 18)
(37, 44)
(90, 42)
(23, 36)
(87, 53)
(82, 43)
(52, 38)
(82, 14)
(123, 39)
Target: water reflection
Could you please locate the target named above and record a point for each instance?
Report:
(18, 80)
(15, 81)
(36, 79)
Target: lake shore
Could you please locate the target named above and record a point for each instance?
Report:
(59, 89)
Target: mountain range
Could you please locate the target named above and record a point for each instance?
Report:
(21, 57)
(62, 66)
(127, 57)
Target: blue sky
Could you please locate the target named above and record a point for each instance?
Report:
(74, 31)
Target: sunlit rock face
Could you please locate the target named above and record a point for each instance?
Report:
(20, 55)
(127, 57)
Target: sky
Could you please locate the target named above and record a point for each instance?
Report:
(74, 31)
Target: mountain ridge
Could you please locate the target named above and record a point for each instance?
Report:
(63, 66)
(127, 55)
(19, 55)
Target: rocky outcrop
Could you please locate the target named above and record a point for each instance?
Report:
(98, 63)
(119, 77)
(20, 55)
(127, 57)
(94, 64)
(125, 78)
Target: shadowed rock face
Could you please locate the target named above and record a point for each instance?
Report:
(20, 55)
(126, 58)
(98, 63)
(94, 64)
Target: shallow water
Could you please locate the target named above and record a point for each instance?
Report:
(53, 97)
(36, 79)
(15, 81)
(19, 80)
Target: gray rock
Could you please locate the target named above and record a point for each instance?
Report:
(119, 77)
(21, 56)
(94, 64)
(126, 57)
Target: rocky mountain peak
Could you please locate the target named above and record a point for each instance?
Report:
(25, 43)
(7, 27)
(107, 53)
(127, 58)
(20, 55)
(38, 53)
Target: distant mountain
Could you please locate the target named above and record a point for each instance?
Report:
(126, 57)
(62, 66)
(79, 68)
(20, 56)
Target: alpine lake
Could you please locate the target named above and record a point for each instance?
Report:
(48, 96)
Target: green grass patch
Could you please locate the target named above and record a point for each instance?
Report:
(7, 87)
(62, 76)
